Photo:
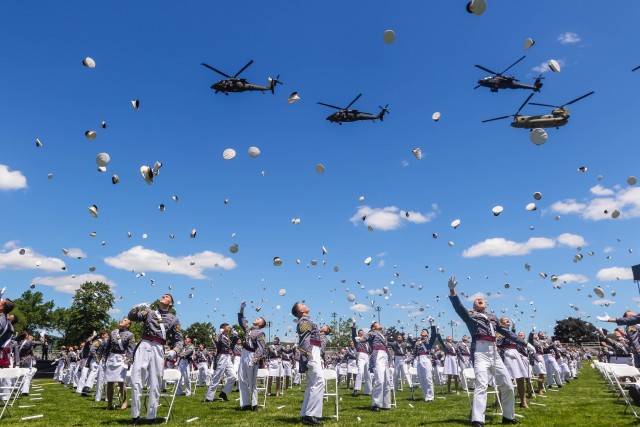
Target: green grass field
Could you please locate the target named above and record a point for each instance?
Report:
(586, 401)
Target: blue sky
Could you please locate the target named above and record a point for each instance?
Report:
(327, 52)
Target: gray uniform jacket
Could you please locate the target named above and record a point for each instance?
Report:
(308, 337)
(254, 340)
(121, 341)
(154, 321)
(360, 342)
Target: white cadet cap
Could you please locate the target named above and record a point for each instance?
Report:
(135, 103)
(115, 179)
(497, 210)
(102, 160)
(455, 223)
(436, 116)
(91, 135)
(477, 7)
(293, 98)
(147, 174)
(253, 152)
(598, 291)
(531, 207)
(537, 195)
(367, 260)
(538, 136)
(282, 292)
(277, 261)
(320, 168)
(351, 297)
(234, 248)
(228, 154)
(554, 65)
(632, 180)
(528, 43)
(417, 152)
(89, 62)
(93, 210)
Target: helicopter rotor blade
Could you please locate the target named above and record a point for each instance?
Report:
(243, 68)
(329, 105)
(487, 70)
(545, 105)
(217, 71)
(523, 104)
(352, 102)
(477, 87)
(578, 99)
(506, 69)
(637, 68)
(496, 118)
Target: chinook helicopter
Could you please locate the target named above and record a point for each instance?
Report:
(559, 115)
(346, 115)
(235, 84)
(498, 81)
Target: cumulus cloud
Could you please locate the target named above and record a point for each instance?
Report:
(614, 273)
(389, 218)
(76, 253)
(69, 284)
(30, 260)
(499, 246)
(472, 298)
(603, 302)
(360, 308)
(572, 278)
(544, 67)
(624, 199)
(375, 291)
(11, 180)
(569, 38)
(140, 259)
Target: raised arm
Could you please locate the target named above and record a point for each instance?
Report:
(242, 321)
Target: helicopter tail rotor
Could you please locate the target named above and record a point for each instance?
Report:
(273, 83)
(538, 83)
(383, 110)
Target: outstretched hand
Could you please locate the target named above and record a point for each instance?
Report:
(452, 282)
(604, 318)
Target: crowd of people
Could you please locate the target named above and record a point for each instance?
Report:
(374, 364)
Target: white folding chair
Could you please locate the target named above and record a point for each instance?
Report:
(24, 372)
(193, 379)
(632, 375)
(261, 385)
(9, 375)
(470, 375)
(413, 373)
(329, 376)
(170, 376)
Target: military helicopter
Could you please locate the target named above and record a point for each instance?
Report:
(559, 115)
(235, 84)
(346, 115)
(498, 81)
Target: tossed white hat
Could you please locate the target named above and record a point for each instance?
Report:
(103, 124)
(324, 251)
(193, 233)
(91, 134)
(147, 174)
(361, 199)
(135, 103)
(582, 169)
(497, 210)
(282, 292)
(234, 248)
(531, 207)
(115, 179)
(50, 175)
(89, 62)
(615, 214)
(253, 152)
(367, 260)
(351, 297)
(598, 291)
(102, 160)
(228, 154)
(277, 261)
(554, 65)
(477, 7)
(320, 168)
(436, 116)
(93, 210)
(537, 195)
(632, 180)
(293, 98)
(38, 143)
(389, 36)
(538, 136)
(455, 223)
(417, 152)
(528, 43)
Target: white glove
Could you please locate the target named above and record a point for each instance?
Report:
(2, 291)
(432, 322)
(452, 282)
(604, 318)
(221, 330)
(234, 333)
(533, 328)
(243, 305)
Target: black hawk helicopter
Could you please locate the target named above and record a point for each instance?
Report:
(235, 84)
(559, 115)
(346, 115)
(498, 81)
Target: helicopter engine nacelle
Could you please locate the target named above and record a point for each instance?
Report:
(561, 112)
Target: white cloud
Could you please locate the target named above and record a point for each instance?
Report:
(69, 284)
(572, 278)
(405, 163)
(603, 302)
(360, 308)
(608, 249)
(115, 310)
(30, 260)
(381, 263)
(614, 273)
(624, 199)
(544, 67)
(76, 253)
(571, 240)
(499, 246)
(388, 218)
(11, 180)
(140, 259)
(568, 38)
(375, 291)
(11, 244)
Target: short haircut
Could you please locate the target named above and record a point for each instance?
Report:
(294, 310)
(14, 319)
(264, 322)
(8, 305)
(224, 325)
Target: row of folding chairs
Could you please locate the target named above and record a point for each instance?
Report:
(11, 380)
(619, 377)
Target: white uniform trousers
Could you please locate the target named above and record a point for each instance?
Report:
(247, 380)
(363, 373)
(224, 366)
(185, 373)
(148, 363)
(486, 360)
(236, 364)
(564, 370)
(313, 400)
(553, 370)
(400, 368)
(424, 369)
(69, 376)
(82, 377)
(91, 377)
(202, 373)
(26, 383)
(100, 381)
(57, 375)
(381, 394)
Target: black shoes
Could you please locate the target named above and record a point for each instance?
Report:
(311, 421)
(246, 408)
(477, 424)
(223, 396)
(24, 394)
(208, 401)
(134, 421)
(355, 393)
(509, 421)
(254, 408)
(635, 394)
(375, 409)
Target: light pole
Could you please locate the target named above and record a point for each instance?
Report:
(269, 326)
(378, 309)
(452, 324)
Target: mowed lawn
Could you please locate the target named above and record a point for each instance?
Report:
(586, 401)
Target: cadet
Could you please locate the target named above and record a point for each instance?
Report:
(101, 357)
(119, 355)
(483, 326)
(424, 366)
(363, 362)
(400, 352)
(184, 365)
(275, 366)
(159, 327)
(222, 364)
(310, 363)
(202, 361)
(379, 366)
(629, 319)
(251, 354)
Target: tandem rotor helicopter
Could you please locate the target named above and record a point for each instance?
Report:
(346, 115)
(498, 81)
(235, 84)
(559, 115)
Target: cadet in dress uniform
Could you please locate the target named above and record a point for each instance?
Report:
(400, 352)
(85, 361)
(463, 350)
(202, 361)
(513, 361)
(379, 366)
(629, 319)
(160, 327)
(184, 365)
(119, 355)
(60, 365)
(93, 362)
(539, 367)
(222, 364)
(287, 359)
(24, 358)
(69, 361)
(451, 369)
(424, 367)
(310, 363)
(352, 364)
(101, 357)
(274, 354)
(362, 348)
(237, 354)
(483, 327)
(550, 363)
(249, 361)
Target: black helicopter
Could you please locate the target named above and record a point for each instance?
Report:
(235, 84)
(559, 115)
(346, 115)
(498, 81)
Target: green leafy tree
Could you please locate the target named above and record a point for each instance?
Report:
(36, 312)
(340, 333)
(89, 311)
(574, 330)
(200, 333)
